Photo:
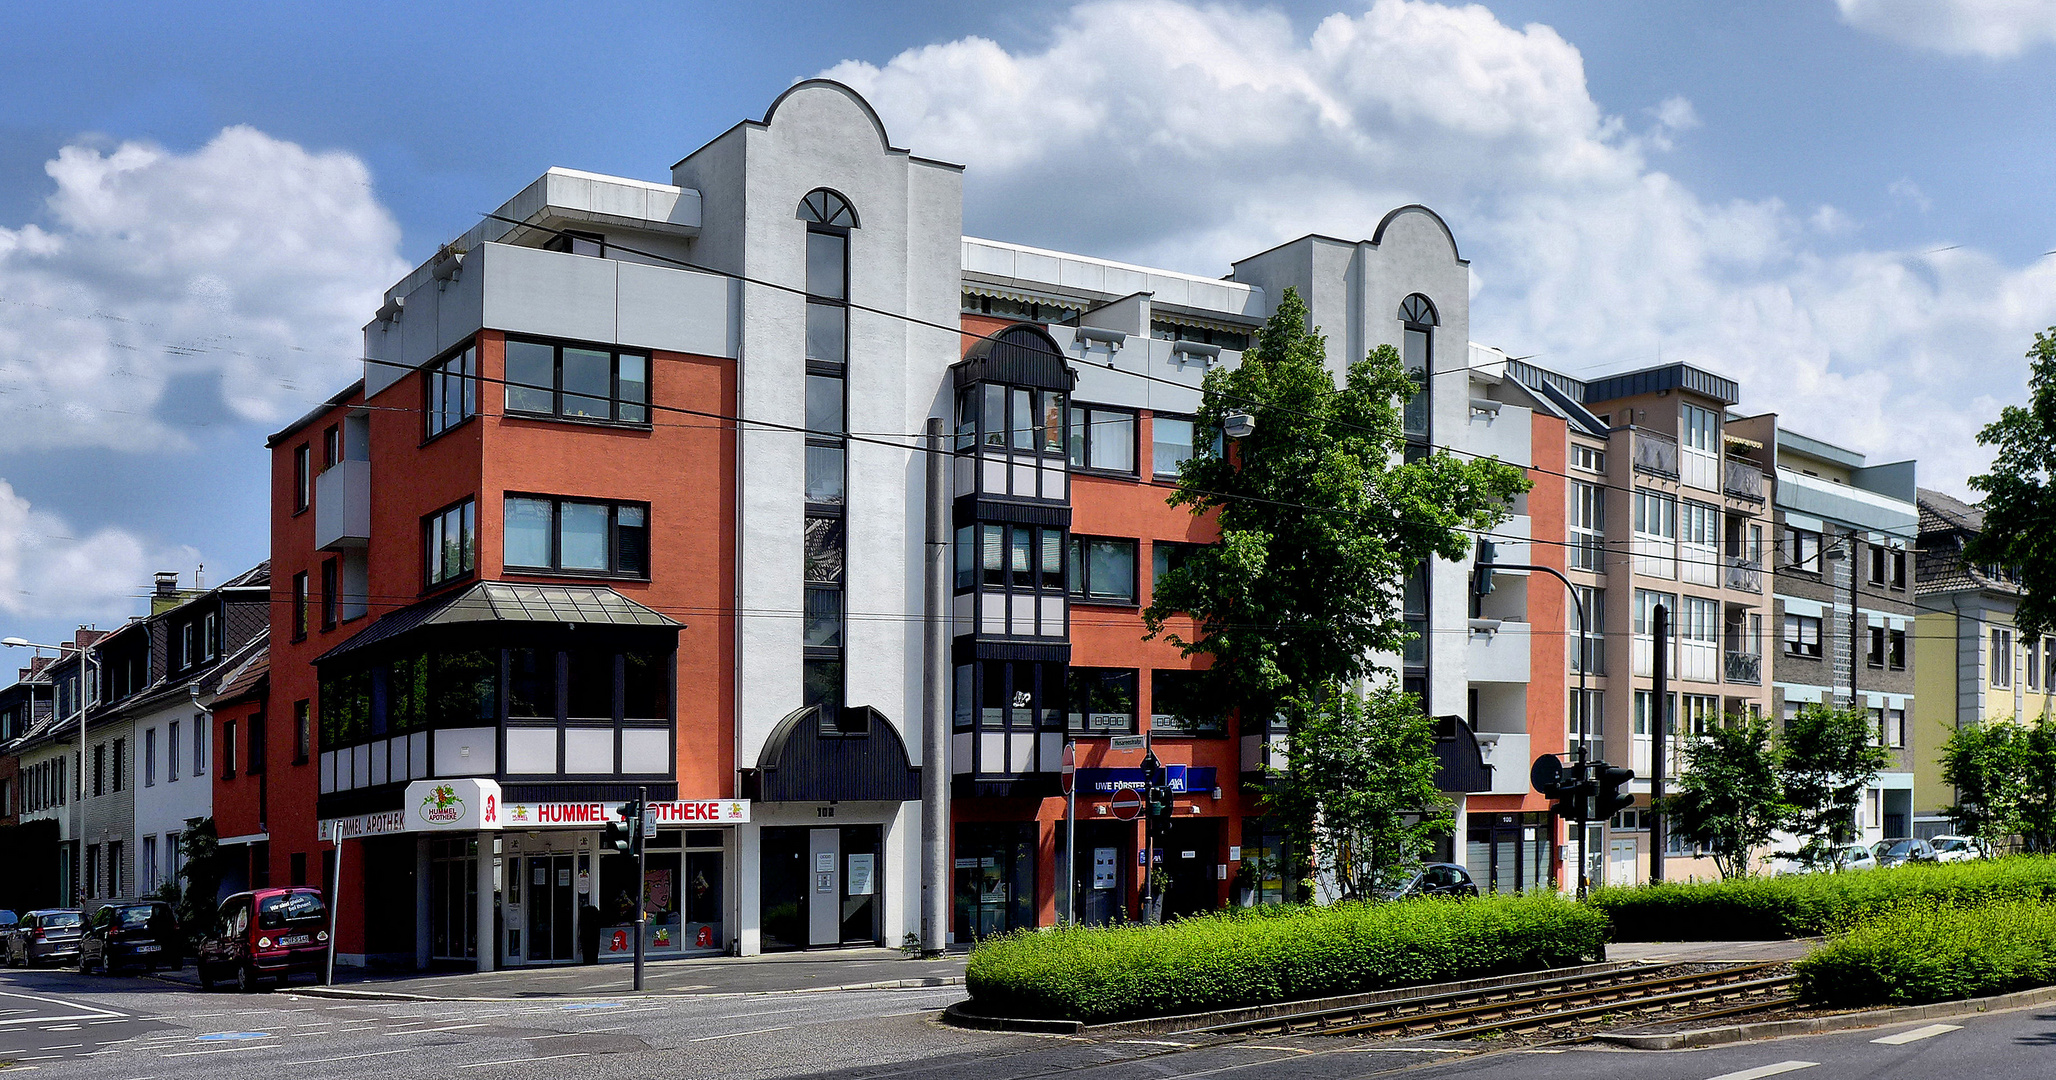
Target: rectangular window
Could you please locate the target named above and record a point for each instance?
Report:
(200, 734)
(1898, 568)
(115, 770)
(1588, 458)
(450, 391)
(1171, 443)
(171, 749)
(1590, 656)
(1415, 345)
(1699, 536)
(331, 446)
(548, 534)
(303, 477)
(149, 757)
(1802, 550)
(1645, 718)
(303, 734)
(1895, 728)
(1166, 556)
(1895, 650)
(228, 749)
(1102, 570)
(1878, 561)
(578, 382)
(1697, 713)
(1646, 603)
(1587, 527)
(331, 592)
(1802, 635)
(1874, 646)
(1101, 700)
(450, 543)
(1178, 707)
(300, 605)
(1102, 439)
(2002, 657)
(1656, 534)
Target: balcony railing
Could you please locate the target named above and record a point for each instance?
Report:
(1744, 574)
(1657, 454)
(1743, 481)
(1745, 668)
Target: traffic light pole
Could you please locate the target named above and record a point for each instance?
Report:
(642, 879)
(1659, 691)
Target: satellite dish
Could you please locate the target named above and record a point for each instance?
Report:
(1547, 775)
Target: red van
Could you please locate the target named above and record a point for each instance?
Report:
(265, 934)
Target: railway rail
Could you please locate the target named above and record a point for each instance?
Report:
(1543, 1005)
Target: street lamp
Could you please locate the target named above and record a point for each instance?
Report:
(78, 808)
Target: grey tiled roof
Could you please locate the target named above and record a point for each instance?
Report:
(1946, 523)
(500, 601)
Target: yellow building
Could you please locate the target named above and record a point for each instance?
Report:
(1971, 665)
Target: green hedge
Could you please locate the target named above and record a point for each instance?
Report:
(1924, 953)
(1229, 960)
(1806, 905)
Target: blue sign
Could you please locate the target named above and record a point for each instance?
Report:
(1184, 779)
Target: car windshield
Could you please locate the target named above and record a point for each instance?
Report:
(277, 911)
(1949, 843)
(62, 918)
(135, 918)
(1403, 888)
(1900, 847)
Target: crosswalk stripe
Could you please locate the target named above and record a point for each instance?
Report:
(1917, 1034)
(1766, 1070)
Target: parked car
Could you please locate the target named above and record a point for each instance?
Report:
(1957, 848)
(45, 936)
(124, 932)
(265, 934)
(8, 921)
(1435, 879)
(1852, 857)
(1902, 850)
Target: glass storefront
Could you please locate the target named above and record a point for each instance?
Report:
(995, 879)
(1509, 853)
(681, 891)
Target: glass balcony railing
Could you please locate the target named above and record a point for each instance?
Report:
(1744, 481)
(1745, 668)
(1657, 454)
(1744, 574)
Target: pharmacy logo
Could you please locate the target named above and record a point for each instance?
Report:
(442, 806)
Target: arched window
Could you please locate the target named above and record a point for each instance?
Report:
(1418, 310)
(825, 207)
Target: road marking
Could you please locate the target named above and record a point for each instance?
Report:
(759, 1031)
(229, 1036)
(223, 1050)
(1918, 1034)
(591, 1005)
(348, 1057)
(65, 1046)
(1766, 1070)
(518, 1061)
(766, 1012)
(431, 1030)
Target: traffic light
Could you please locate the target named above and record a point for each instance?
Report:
(620, 835)
(1481, 581)
(1610, 799)
(1567, 794)
(1156, 793)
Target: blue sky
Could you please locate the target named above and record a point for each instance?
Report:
(1844, 202)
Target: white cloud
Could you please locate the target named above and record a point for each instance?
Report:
(1996, 29)
(1908, 193)
(168, 286)
(1188, 136)
(47, 571)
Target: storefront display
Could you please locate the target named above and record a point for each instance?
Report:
(681, 893)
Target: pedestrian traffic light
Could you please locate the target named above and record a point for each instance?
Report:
(1156, 793)
(1611, 797)
(620, 835)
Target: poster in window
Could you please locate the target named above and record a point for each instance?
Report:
(1103, 867)
(860, 874)
(657, 890)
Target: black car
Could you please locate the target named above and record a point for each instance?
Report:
(1902, 850)
(45, 936)
(144, 933)
(1435, 879)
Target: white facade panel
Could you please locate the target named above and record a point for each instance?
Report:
(531, 750)
(677, 310)
(465, 752)
(547, 293)
(641, 747)
(589, 751)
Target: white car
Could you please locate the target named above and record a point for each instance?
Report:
(1957, 848)
(1855, 857)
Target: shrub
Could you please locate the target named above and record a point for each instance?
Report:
(1234, 959)
(1748, 909)
(1923, 953)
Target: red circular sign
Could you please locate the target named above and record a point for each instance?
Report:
(1070, 768)
(1127, 803)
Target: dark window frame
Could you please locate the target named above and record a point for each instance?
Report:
(299, 608)
(437, 380)
(303, 478)
(556, 530)
(1080, 446)
(331, 446)
(615, 402)
(1079, 583)
(331, 589)
(1797, 643)
(468, 551)
(303, 733)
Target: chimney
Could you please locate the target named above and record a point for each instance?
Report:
(167, 595)
(167, 583)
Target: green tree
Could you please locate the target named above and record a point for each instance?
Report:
(2020, 493)
(202, 866)
(2005, 780)
(1828, 756)
(1358, 786)
(1321, 522)
(1730, 797)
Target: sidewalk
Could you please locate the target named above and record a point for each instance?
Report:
(836, 969)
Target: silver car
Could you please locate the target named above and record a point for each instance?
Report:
(1957, 848)
(46, 936)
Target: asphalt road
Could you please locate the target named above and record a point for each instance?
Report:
(63, 1024)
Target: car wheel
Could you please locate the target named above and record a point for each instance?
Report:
(246, 979)
(206, 977)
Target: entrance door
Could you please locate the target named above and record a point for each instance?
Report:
(549, 916)
(453, 898)
(860, 885)
(1191, 856)
(824, 886)
(1100, 871)
(1620, 862)
(995, 878)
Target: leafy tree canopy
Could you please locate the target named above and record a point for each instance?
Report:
(1730, 798)
(1828, 757)
(2020, 493)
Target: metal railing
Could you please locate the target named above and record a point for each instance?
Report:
(1656, 454)
(1745, 667)
(1743, 480)
(1744, 574)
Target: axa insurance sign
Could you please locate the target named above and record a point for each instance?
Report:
(453, 805)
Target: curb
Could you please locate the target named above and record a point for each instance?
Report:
(1773, 1029)
(959, 1016)
(350, 994)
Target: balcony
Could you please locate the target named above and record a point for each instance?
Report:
(1498, 655)
(1743, 574)
(1507, 754)
(1656, 454)
(1745, 668)
(342, 506)
(1741, 480)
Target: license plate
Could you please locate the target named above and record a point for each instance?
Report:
(294, 939)
(147, 948)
